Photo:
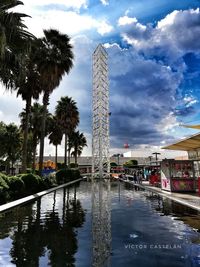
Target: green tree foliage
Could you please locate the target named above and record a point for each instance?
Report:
(10, 143)
(2, 144)
(113, 164)
(3, 190)
(14, 42)
(55, 136)
(34, 129)
(28, 87)
(77, 141)
(131, 163)
(54, 58)
(33, 183)
(68, 117)
(66, 175)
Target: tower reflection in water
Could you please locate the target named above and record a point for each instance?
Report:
(101, 222)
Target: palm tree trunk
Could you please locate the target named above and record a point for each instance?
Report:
(65, 157)
(25, 141)
(69, 150)
(56, 156)
(43, 126)
(75, 155)
(34, 151)
(34, 158)
(12, 166)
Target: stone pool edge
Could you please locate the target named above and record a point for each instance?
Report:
(24, 200)
(165, 194)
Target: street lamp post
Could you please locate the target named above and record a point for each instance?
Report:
(117, 156)
(150, 157)
(156, 155)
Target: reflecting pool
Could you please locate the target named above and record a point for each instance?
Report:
(56, 230)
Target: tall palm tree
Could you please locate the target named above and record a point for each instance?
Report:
(68, 117)
(34, 126)
(29, 87)
(55, 136)
(14, 41)
(13, 33)
(54, 59)
(78, 142)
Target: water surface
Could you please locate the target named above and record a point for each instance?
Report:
(56, 230)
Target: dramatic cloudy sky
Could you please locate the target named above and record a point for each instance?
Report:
(154, 65)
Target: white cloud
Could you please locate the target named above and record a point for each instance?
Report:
(64, 21)
(10, 106)
(103, 27)
(173, 36)
(190, 101)
(168, 20)
(169, 122)
(126, 21)
(105, 2)
(70, 22)
(77, 4)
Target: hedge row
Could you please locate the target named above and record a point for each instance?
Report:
(66, 175)
(14, 187)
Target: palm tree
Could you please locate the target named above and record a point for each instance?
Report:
(78, 142)
(34, 126)
(68, 117)
(29, 87)
(13, 33)
(55, 136)
(14, 42)
(54, 59)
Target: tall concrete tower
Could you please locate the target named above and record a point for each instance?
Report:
(100, 106)
(101, 215)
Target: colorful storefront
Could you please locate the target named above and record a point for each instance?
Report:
(192, 146)
(177, 175)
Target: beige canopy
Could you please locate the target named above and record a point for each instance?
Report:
(191, 126)
(187, 144)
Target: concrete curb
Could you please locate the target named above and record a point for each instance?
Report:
(166, 195)
(24, 200)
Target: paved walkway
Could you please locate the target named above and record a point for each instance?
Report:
(191, 200)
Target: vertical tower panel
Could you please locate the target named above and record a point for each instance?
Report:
(100, 108)
(101, 217)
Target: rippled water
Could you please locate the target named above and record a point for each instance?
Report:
(56, 230)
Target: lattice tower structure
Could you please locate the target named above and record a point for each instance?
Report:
(100, 114)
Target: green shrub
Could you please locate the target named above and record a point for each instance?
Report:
(4, 177)
(4, 195)
(36, 172)
(73, 165)
(33, 183)
(61, 166)
(16, 187)
(76, 174)
(113, 164)
(62, 176)
(130, 163)
(67, 175)
(50, 180)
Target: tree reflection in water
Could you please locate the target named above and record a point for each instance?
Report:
(51, 236)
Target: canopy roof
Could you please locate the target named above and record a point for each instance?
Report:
(187, 144)
(191, 126)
